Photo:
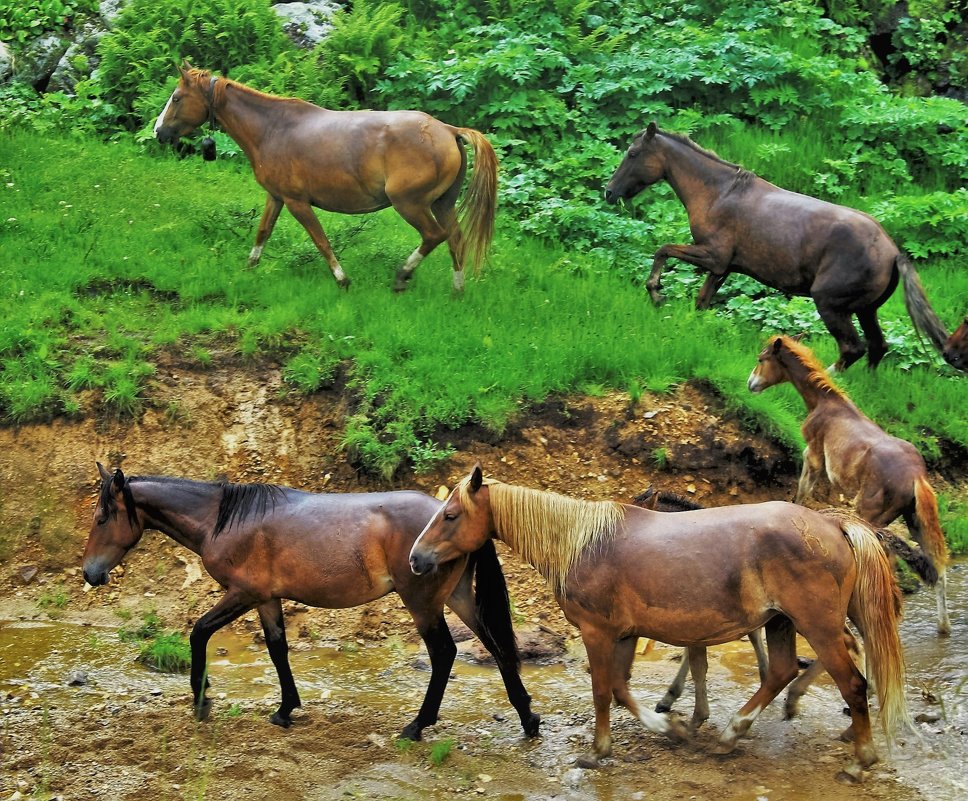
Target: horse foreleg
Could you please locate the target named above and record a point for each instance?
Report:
(462, 603)
(677, 686)
(809, 474)
(231, 606)
(442, 652)
(698, 665)
(762, 661)
(304, 213)
(781, 670)
(269, 216)
(696, 255)
(274, 628)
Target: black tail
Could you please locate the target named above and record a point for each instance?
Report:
(926, 322)
(911, 554)
(493, 605)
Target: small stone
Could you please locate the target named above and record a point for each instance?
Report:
(77, 678)
(27, 573)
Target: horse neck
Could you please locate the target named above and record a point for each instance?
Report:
(247, 117)
(184, 510)
(812, 389)
(695, 177)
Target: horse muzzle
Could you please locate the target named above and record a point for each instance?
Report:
(96, 575)
(422, 563)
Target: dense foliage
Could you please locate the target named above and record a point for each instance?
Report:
(812, 97)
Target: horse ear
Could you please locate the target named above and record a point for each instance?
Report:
(185, 68)
(105, 475)
(118, 480)
(799, 336)
(651, 130)
(477, 478)
(777, 344)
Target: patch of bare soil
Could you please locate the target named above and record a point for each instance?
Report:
(236, 421)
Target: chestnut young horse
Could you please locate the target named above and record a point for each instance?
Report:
(621, 572)
(955, 350)
(350, 162)
(694, 659)
(886, 476)
(264, 543)
(800, 245)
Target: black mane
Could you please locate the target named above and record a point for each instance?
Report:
(241, 501)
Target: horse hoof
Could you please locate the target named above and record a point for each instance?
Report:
(283, 721)
(853, 774)
(531, 725)
(663, 707)
(588, 762)
(411, 732)
(678, 731)
(344, 284)
(722, 748)
(202, 710)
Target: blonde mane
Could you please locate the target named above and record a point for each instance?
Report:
(549, 531)
(816, 374)
(202, 77)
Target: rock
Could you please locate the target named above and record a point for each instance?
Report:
(38, 59)
(28, 573)
(306, 24)
(6, 62)
(77, 678)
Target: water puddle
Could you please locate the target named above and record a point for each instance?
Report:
(38, 660)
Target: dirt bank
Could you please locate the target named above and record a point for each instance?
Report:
(236, 421)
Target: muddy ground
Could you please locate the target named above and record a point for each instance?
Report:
(236, 421)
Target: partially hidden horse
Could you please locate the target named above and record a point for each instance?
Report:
(620, 572)
(350, 162)
(885, 476)
(264, 543)
(694, 659)
(840, 257)
(955, 349)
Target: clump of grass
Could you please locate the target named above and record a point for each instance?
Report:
(54, 600)
(440, 750)
(660, 458)
(167, 651)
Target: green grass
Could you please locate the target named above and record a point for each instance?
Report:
(111, 254)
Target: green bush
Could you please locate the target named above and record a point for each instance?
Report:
(21, 20)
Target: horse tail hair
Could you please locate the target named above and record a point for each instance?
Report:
(913, 556)
(876, 611)
(479, 204)
(926, 322)
(928, 524)
(492, 605)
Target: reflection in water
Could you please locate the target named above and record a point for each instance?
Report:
(39, 658)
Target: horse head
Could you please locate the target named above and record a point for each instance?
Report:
(189, 106)
(115, 530)
(642, 166)
(461, 525)
(769, 370)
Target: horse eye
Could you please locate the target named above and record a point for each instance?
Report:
(633, 154)
(450, 515)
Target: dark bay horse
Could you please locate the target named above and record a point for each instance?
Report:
(955, 349)
(840, 257)
(264, 543)
(620, 572)
(694, 660)
(885, 476)
(350, 162)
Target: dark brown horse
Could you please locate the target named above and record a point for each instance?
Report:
(694, 659)
(885, 476)
(955, 349)
(621, 572)
(840, 257)
(350, 162)
(264, 543)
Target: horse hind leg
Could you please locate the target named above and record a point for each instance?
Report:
(841, 327)
(274, 628)
(781, 670)
(876, 344)
(432, 234)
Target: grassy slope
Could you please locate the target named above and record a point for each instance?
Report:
(108, 253)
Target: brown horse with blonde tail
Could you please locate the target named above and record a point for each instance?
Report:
(351, 162)
(264, 543)
(800, 245)
(620, 572)
(885, 476)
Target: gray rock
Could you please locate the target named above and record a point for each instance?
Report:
(306, 24)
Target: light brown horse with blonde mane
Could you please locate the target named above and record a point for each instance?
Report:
(350, 162)
(620, 572)
(885, 476)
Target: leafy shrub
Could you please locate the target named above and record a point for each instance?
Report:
(138, 57)
(21, 20)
